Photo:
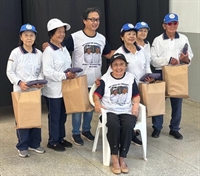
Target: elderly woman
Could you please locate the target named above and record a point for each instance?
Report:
(142, 32)
(56, 59)
(24, 64)
(121, 118)
(136, 56)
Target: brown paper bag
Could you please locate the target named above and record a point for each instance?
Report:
(176, 78)
(27, 109)
(153, 97)
(75, 95)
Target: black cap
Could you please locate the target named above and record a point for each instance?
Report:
(117, 56)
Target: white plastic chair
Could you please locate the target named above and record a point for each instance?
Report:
(140, 125)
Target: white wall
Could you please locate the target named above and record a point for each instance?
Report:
(189, 14)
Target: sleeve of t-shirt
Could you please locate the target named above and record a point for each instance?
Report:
(135, 91)
(107, 48)
(11, 66)
(100, 89)
(69, 43)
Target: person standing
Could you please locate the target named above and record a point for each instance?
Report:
(56, 59)
(142, 32)
(123, 95)
(97, 55)
(75, 43)
(135, 55)
(88, 56)
(167, 50)
(114, 95)
(24, 64)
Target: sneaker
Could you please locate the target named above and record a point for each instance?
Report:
(155, 134)
(136, 141)
(37, 150)
(24, 153)
(77, 139)
(88, 135)
(57, 147)
(66, 144)
(176, 134)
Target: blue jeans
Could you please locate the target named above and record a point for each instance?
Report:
(76, 122)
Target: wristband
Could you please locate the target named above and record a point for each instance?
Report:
(170, 60)
(18, 82)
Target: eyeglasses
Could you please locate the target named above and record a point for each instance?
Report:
(174, 23)
(94, 19)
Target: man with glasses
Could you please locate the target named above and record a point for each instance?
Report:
(167, 50)
(76, 43)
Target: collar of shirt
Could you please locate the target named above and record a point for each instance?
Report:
(145, 41)
(165, 37)
(138, 48)
(54, 47)
(34, 51)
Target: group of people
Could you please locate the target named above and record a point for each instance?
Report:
(127, 65)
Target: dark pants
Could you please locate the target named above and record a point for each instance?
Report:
(176, 106)
(56, 119)
(120, 128)
(28, 138)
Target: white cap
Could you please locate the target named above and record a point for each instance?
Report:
(56, 23)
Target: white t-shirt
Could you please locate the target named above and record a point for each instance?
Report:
(24, 66)
(114, 98)
(109, 84)
(122, 97)
(78, 44)
(96, 58)
(147, 49)
(55, 62)
(88, 58)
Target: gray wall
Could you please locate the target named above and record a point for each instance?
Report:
(194, 68)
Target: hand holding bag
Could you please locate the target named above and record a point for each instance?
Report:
(75, 95)
(176, 78)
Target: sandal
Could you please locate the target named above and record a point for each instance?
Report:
(124, 169)
(116, 170)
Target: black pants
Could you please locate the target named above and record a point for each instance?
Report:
(120, 128)
(57, 118)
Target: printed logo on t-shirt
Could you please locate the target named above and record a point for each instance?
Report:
(118, 94)
(92, 55)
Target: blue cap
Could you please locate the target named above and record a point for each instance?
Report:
(28, 27)
(127, 27)
(170, 17)
(142, 24)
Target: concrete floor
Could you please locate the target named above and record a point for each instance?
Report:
(166, 155)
